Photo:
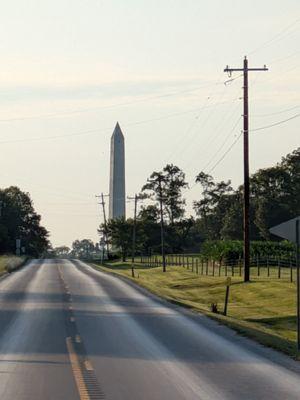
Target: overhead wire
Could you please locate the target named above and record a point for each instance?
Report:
(275, 124)
(93, 131)
(279, 36)
(196, 120)
(88, 109)
(223, 143)
(225, 154)
(275, 113)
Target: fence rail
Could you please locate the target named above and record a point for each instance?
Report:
(265, 266)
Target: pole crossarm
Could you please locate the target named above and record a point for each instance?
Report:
(227, 69)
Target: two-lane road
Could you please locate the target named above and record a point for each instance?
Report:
(70, 332)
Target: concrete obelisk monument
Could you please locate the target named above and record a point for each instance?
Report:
(117, 175)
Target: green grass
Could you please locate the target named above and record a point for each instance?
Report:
(263, 309)
(10, 263)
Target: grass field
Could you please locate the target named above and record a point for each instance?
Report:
(263, 309)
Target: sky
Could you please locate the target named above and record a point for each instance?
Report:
(70, 69)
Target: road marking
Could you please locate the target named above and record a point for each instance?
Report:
(88, 365)
(77, 339)
(81, 386)
(72, 319)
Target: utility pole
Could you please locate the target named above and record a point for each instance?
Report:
(157, 182)
(135, 198)
(162, 227)
(245, 71)
(105, 221)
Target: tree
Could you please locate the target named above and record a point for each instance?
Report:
(166, 186)
(119, 234)
(83, 248)
(275, 193)
(214, 204)
(19, 220)
(148, 229)
(62, 251)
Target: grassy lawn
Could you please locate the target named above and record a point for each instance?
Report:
(264, 309)
(9, 263)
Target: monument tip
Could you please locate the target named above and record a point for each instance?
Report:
(117, 130)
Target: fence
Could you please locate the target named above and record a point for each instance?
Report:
(266, 266)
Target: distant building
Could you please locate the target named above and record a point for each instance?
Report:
(117, 175)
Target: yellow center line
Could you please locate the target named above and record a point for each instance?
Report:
(81, 386)
(88, 365)
(77, 339)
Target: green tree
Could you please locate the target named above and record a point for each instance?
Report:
(166, 186)
(214, 204)
(82, 248)
(148, 229)
(19, 220)
(62, 251)
(119, 234)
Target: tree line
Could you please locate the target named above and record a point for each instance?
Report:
(274, 198)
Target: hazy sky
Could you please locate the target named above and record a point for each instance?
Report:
(71, 68)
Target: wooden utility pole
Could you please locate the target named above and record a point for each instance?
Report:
(135, 198)
(105, 221)
(162, 226)
(158, 187)
(245, 71)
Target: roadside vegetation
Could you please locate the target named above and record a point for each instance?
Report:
(264, 309)
(10, 263)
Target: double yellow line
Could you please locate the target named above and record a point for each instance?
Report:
(77, 371)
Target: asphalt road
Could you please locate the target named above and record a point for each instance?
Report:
(70, 332)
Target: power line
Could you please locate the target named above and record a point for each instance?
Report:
(128, 103)
(276, 113)
(226, 152)
(275, 124)
(93, 131)
(223, 144)
(218, 130)
(275, 38)
(190, 129)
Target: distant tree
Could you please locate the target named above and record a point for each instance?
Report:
(82, 248)
(62, 251)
